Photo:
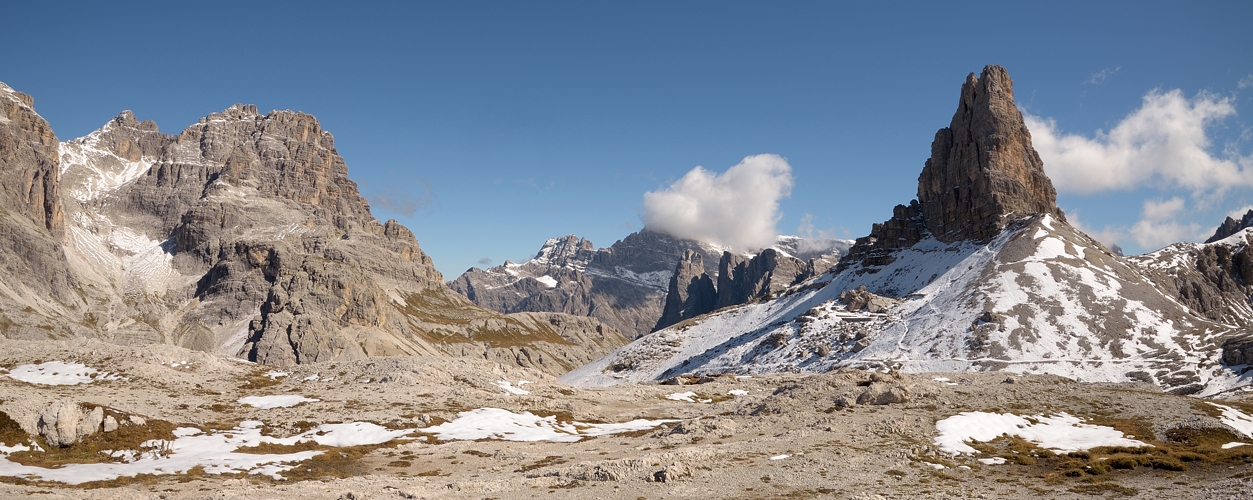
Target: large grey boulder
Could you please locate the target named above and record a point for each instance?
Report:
(64, 423)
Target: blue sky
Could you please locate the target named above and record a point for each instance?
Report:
(487, 127)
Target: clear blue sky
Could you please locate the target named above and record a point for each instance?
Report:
(487, 127)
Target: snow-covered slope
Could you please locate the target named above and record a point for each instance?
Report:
(1041, 297)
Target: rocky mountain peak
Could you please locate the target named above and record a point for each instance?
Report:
(568, 251)
(982, 166)
(1232, 226)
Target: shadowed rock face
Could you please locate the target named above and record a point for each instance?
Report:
(1231, 226)
(691, 293)
(241, 235)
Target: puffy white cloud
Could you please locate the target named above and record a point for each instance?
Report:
(737, 209)
(1163, 144)
(1246, 82)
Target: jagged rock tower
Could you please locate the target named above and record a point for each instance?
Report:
(982, 167)
(982, 171)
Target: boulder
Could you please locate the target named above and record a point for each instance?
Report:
(64, 423)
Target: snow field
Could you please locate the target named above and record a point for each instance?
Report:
(217, 452)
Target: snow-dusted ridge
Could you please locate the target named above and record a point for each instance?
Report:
(1056, 302)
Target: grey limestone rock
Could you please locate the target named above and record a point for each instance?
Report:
(64, 423)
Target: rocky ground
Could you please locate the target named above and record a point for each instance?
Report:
(850, 434)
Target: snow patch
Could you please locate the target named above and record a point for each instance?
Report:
(495, 423)
(1062, 433)
(548, 281)
(277, 401)
(59, 373)
(511, 389)
(1236, 419)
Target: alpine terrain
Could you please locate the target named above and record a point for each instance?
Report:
(982, 272)
(242, 235)
(216, 314)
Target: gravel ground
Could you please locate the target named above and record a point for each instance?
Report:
(834, 435)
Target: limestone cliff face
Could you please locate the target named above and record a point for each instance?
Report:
(29, 182)
(241, 235)
(982, 171)
(37, 289)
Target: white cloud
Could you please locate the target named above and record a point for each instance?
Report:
(1246, 82)
(1163, 144)
(738, 208)
(1161, 210)
(1159, 226)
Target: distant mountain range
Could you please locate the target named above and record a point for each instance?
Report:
(624, 285)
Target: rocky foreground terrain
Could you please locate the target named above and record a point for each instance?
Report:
(420, 428)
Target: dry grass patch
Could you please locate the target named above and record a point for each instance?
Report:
(91, 449)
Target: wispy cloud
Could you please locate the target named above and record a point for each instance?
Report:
(485, 261)
(1100, 76)
(1246, 82)
(403, 196)
(738, 208)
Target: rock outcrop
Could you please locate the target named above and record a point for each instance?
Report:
(1232, 226)
(982, 171)
(739, 281)
(982, 167)
(241, 235)
(64, 423)
(691, 293)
